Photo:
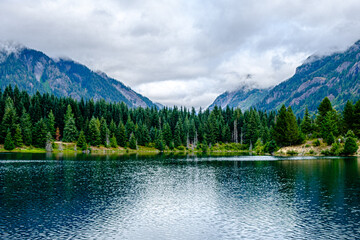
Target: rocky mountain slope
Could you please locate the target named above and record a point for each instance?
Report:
(32, 70)
(335, 76)
(243, 98)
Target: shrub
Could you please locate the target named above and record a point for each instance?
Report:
(316, 143)
(292, 152)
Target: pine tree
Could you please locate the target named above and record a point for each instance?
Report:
(26, 127)
(39, 134)
(132, 141)
(113, 142)
(306, 123)
(323, 109)
(280, 127)
(81, 142)
(49, 141)
(104, 131)
(292, 131)
(9, 144)
(94, 132)
(51, 124)
(159, 143)
(121, 135)
(167, 135)
(18, 141)
(348, 116)
(70, 130)
(330, 139)
(9, 119)
(112, 128)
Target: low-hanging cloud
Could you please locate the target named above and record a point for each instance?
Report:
(180, 52)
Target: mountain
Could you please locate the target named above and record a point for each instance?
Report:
(32, 70)
(243, 98)
(336, 76)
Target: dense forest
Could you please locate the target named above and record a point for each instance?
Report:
(40, 119)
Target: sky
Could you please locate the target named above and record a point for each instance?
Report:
(179, 52)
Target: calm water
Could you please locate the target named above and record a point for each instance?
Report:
(112, 197)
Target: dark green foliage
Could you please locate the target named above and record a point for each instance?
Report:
(132, 142)
(271, 147)
(70, 130)
(330, 139)
(159, 143)
(9, 119)
(167, 135)
(113, 142)
(81, 142)
(286, 130)
(39, 134)
(94, 137)
(9, 144)
(26, 127)
(121, 135)
(104, 132)
(306, 126)
(18, 141)
(49, 140)
(316, 143)
(351, 146)
(51, 124)
(348, 116)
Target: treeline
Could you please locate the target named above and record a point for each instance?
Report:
(39, 119)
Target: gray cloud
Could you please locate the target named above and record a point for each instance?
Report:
(181, 52)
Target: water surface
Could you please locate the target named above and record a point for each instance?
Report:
(184, 197)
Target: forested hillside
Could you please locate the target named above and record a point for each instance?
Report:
(41, 118)
(33, 71)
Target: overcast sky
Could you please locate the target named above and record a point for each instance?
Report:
(180, 52)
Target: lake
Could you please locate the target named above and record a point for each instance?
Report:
(46, 196)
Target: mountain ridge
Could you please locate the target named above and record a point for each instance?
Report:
(33, 70)
(336, 76)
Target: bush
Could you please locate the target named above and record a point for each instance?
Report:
(316, 143)
(307, 145)
(311, 152)
(292, 152)
(330, 139)
(350, 147)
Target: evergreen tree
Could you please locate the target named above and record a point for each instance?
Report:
(348, 116)
(39, 134)
(9, 144)
(70, 130)
(292, 131)
(113, 142)
(132, 142)
(356, 119)
(18, 141)
(9, 119)
(49, 141)
(129, 127)
(51, 124)
(167, 135)
(306, 123)
(159, 143)
(121, 135)
(81, 142)
(104, 131)
(26, 127)
(112, 128)
(330, 139)
(351, 146)
(323, 109)
(280, 128)
(226, 134)
(94, 132)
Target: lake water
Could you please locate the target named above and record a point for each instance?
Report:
(166, 197)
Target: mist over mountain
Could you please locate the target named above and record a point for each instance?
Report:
(33, 71)
(335, 76)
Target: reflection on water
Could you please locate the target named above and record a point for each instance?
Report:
(178, 197)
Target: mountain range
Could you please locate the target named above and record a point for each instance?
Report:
(32, 70)
(335, 76)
